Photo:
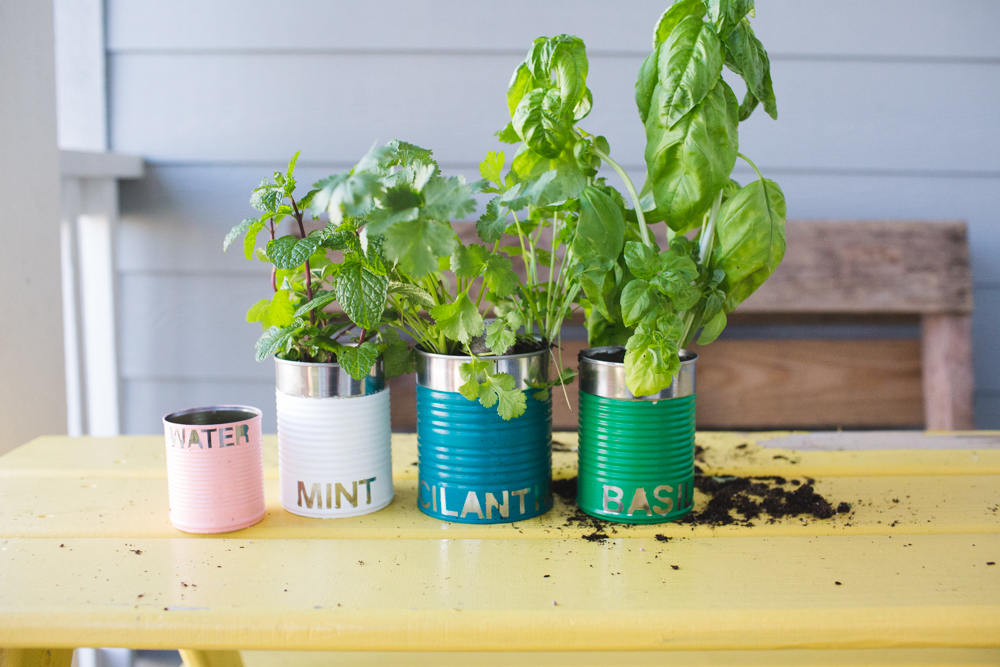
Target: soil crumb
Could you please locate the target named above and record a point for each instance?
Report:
(751, 497)
(662, 538)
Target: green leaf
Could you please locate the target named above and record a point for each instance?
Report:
(417, 295)
(267, 196)
(746, 56)
(281, 311)
(358, 360)
(604, 331)
(651, 356)
(726, 14)
(362, 294)
(276, 339)
(396, 354)
(499, 276)
(493, 222)
(689, 66)
(508, 135)
(600, 231)
(241, 228)
(646, 82)
(569, 60)
(417, 245)
(445, 199)
(258, 311)
(491, 167)
(642, 261)
(689, 163)
(751, 233)
(250, 240)
(674, 15)
(321, 299)
(520, 83)
(492, 389)
(289, 252)
(499, 338)
(539, 120)
(712, 329)
(468, 261)
(460, 320)
(640, 302)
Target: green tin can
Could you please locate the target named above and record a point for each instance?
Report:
(636, 452)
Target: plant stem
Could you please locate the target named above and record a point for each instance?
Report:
(643, 230)
(750, 162)
(704, 255)
(274, 269)
(302, 231)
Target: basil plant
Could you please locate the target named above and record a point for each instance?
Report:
(724, 239)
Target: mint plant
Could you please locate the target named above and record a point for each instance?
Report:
(305, 281)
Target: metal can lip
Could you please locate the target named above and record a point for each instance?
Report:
(604, 377)
(310, 379)
(441, 372)
(213, 415)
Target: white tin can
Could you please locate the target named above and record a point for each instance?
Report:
(334, 440)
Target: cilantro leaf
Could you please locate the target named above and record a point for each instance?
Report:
(491, 167)
(460, 320)
(417, 245)
(499, 338)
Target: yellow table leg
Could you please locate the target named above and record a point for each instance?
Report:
(208, 658)
(36, 657)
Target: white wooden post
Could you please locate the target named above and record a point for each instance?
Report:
(88, 228)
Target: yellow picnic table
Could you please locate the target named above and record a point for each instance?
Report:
(89, 558)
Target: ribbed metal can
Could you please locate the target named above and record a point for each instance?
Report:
(636, 452)
(334, 440)
(474, 466)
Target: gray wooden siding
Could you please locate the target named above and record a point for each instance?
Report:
(888, 110)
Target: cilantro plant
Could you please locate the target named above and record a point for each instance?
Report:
(724, 240)
(305, 281)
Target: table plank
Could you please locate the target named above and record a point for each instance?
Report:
(750, 593)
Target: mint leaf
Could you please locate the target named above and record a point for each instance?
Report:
(321, 299)
(358, 360)
(237, 230)
(499, 338)
(250, 240)
(362, 293)
(460, 320)
(276, 339)
(417, 295)
(289, 252)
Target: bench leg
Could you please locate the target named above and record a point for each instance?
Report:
(947, 372)
(36, 657)
(210, 658)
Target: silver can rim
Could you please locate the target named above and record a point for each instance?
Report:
(440, 372)
(313, 379)
(255, 413)
(607, 378)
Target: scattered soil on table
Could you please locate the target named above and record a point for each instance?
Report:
(731, 500)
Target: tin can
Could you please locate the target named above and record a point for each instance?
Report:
(215, 468)
(474, 466)
(334, 440)
(636, 452)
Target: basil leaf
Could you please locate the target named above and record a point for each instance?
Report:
(746, 56)
(651, 356)
(689, 65)
(358, 360)
(460, 320)
(600, 231)
(712, 329)
(569, 60)
(362, 294)
(751, 232)
(689, 163)
(674, 15)
(417, 295)
(642, 260)
(538, 120)
(520, 83)
(646, 83)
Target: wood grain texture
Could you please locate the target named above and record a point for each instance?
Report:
(947, 371)
(883, 266)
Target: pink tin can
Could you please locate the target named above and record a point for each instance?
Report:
(215, 468)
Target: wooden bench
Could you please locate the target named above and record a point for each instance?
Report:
(874, 276)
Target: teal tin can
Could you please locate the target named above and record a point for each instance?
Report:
(636, 452)
(474, 466)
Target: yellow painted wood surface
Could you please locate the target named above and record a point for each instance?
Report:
(87, 557)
